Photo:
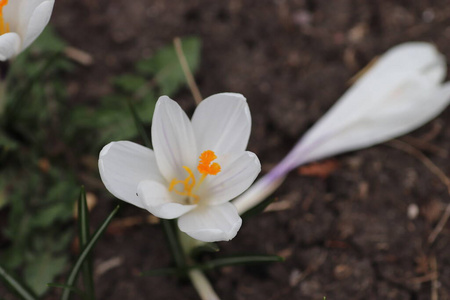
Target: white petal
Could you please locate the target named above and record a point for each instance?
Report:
(123, 165)
(222, 123)
(211, 223)
(33, 24)
(158, 200)
(173, 140)
(417, 107)
(237, 173)
(9, 45)
(379, 106)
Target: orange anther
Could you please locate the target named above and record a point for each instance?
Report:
(205, 167)
(4, 27)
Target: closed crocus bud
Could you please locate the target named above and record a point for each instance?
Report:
(21, 22)
(402, 91)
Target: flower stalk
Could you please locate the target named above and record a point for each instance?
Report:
(202, 285)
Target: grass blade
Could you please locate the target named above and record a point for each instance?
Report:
(76, 268)
(164, 272)
(239, 260)
(16, 286)
(73, 289)
(84, 236)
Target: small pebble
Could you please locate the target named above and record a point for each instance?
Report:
(413, 211)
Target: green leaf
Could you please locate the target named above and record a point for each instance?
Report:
(129, 83)
(84, 236)
(41, 270)
(216, 263)
(239, 260)
(165, 68)
(16, 286)
(48, 41)
(84, 254)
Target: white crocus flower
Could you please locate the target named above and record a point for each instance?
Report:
(402, 91)
(196, 167)
(21, 22)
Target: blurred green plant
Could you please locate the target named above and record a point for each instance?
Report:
(37, 189)
(158, 75)
(43, 138)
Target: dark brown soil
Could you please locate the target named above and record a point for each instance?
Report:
(347, 236)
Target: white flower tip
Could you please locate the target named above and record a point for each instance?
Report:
(255, 160)
(105, 150)
(163, 98)
(234, 95)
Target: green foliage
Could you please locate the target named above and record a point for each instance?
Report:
(166, 69)
(42, 135)
(160, 74)
(42, 269)
(39, 189)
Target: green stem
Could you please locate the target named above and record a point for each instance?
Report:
(84, 235)
(2, 96)
(174, 242)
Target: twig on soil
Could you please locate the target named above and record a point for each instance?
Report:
(187, 72)
(434, 281)
(435, 170)
(363, 71)
(80, 56)
(107, 265)
(279, 206)
(425, 160)
(426, 278)
(440, 225)
(118, 226)
(425, 145)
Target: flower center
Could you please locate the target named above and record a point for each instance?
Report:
(4, 27)
(189, 184)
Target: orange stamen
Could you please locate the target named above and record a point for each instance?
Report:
(205, 166)
(187, 187)
(190, 186)
(4, 27)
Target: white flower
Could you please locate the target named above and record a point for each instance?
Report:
(21, 22)
(196, 167)
(400, 93)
